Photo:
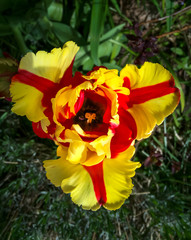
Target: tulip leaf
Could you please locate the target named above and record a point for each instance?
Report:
(55, 11)
(65, 33)
(111, 33)
(96, 26)
(169, 12)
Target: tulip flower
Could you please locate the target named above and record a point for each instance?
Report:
(94, 119)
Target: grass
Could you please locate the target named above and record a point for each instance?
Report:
(159, 207)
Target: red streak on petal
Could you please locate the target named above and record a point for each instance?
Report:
(68, 80)
(67, 77)
(87, 139)
(126, 83)
(96, 174)
(141, 95)
(65, 144)
(107, 114)
(67, 112)
(44, 85)
(92, 95)
(123, 101)
(79, 102)
(125, 133)
(31, 79)
(51, 128)
(38, 130)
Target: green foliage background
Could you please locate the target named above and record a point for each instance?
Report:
(159, 207)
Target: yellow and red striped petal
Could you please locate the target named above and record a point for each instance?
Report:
(111, 179)
(51, 65)
(38, 79)
(153, 96)
(117, 178)
(107, 183)
(74, 179)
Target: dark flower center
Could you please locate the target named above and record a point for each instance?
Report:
(89, 116)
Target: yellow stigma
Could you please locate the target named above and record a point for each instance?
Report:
(90, 117)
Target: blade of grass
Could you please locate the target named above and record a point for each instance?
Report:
(124, 46)
(169, 9)
(156, 3)
(175, 119)
(165, 137)
(115, 4)
(163, 148)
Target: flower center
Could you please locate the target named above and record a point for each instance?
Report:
(89, 116)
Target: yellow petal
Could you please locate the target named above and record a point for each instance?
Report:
(77, 152)
(108, 76)
(163, 106)
(28, 101)
(151, 74)
(93, 158)
(67, 96)
(74, 179)
(113, 98)
(50, 65)
(117, 178)
(90, 159)
(86, 153)
(102, 145)
(150, 113)
(132, 73)
(145, 121)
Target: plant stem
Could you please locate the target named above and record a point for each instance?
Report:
(19, 38)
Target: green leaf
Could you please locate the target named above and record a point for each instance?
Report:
(65, 33)
(16, 30)
(111, 33)
(112, 66)
(96, 26)
(55, 11)
(177, 51)
(124, 46)
(117, 48)
(105, 49)
(169, 11)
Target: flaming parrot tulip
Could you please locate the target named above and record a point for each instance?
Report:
(94, 119)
